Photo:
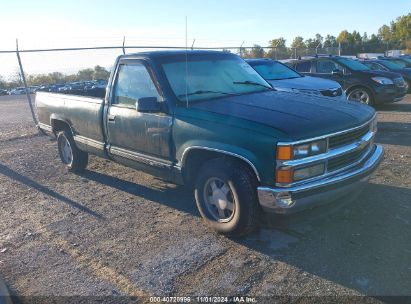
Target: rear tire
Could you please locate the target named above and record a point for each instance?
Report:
(226, 197)
(74, 159)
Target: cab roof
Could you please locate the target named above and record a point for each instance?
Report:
(175, 53)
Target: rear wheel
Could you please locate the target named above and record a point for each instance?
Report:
(225, 193)
(362, 95)
(75, 159)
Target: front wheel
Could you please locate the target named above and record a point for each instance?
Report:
(362, 95)
(408, 86)
(225, 193)
(75, 159)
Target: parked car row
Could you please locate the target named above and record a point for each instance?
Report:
(398, 65)
(88, 88)
(370, 81)
(358, 81)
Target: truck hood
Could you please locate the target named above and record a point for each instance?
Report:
(306, 83)
(298, 116)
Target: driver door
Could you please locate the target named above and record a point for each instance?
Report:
(137, 137)
(329, 69)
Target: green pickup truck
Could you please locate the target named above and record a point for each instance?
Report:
(206, 119)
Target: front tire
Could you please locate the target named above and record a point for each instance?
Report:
(74, 159)
(409, 86)
(225, 193)
(362, 95)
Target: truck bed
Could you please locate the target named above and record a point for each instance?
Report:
(84, 115)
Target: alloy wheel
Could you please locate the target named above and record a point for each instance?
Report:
(359, 95)
(219, 199)
(66, 151)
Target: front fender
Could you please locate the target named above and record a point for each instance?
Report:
(226, 149)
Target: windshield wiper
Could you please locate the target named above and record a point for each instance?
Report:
(248, 82)
(284, 78)
(206, 92)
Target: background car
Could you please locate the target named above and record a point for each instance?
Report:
(388, 65)
(283, 78)
(401, 61)
(3, 92)
(17, 91)
(55, 87)
(358, 81)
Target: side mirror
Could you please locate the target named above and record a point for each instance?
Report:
(148, 104)
(337, 72)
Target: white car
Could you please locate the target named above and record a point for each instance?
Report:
(283, 78)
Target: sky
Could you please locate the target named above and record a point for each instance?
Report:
(74, 23)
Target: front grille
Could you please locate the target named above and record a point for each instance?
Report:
(349, 137)
(332, 92)
(346, 159)
(399, 82)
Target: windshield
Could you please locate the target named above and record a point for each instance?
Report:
(391, 65)
(404, 63)
(212, 77)
(272, 70)
(352, 64)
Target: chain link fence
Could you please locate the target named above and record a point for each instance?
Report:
(285, 52)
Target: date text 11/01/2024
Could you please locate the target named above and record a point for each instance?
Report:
(203, 299)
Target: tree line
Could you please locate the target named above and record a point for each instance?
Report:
(396, 35)
(98, 72)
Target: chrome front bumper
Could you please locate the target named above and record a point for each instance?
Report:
(297, 198)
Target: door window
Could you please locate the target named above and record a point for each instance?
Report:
(378, 67)
(133, 82)
(327, 66)
(303, 67)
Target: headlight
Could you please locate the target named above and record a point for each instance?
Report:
(382, 80)
(302, 150)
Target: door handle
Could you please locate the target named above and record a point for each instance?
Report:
(111, 118)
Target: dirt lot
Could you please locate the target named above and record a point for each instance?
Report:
(113, 231)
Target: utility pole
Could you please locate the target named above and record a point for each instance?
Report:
(23, 78)
(241, 49)
(316, 49)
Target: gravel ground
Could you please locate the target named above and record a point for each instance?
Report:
(114, 231)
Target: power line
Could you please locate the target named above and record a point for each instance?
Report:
(128, 47)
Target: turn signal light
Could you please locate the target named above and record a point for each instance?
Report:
(284, 152)
(284, 176)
